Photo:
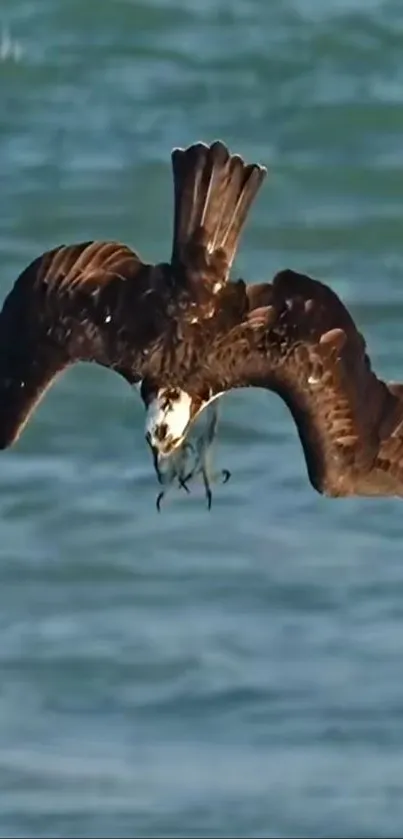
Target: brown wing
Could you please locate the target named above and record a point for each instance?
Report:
(93, 301)
(300, 341)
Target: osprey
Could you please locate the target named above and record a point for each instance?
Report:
(184, 335)
(100, 302)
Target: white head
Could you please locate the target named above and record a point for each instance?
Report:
(169, 414)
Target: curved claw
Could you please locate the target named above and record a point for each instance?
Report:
(158, 501)
(226, 474)
(183, 483)
(209, 496)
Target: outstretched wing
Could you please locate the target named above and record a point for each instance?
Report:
(300, 341)
(94, 301)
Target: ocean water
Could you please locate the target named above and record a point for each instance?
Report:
(238, 672)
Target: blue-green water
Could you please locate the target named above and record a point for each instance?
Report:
(238, 672)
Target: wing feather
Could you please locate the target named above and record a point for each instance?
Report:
(92, 301)
(300, 341)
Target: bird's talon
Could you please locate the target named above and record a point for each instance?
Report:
(209, 496)
(159, 499)
(183, 483)
(226, 474)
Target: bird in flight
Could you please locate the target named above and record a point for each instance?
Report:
(184, 334)
(100, 302)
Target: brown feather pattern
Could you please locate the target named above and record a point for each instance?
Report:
(214, 191)
(300, 341)
(172, 326)
(99, 302)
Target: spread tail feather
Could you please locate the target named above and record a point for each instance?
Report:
(214, 191)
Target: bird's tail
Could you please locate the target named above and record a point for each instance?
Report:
(214, 191)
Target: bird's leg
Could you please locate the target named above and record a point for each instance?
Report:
(205, 442)
(183, 481)
(159, 500)
(179, 466)
(176, 471)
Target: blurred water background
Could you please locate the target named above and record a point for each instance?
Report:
(193, 674)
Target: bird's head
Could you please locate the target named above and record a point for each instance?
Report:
(170, 412)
